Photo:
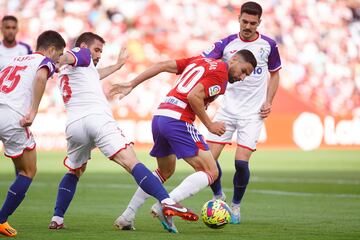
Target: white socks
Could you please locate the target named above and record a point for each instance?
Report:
(190, 186)
(137, 201)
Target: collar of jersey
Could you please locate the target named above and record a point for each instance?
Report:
(258, 35)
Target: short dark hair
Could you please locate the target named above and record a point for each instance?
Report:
(247, 56)
(88, 38)
(251, 8)
(9, 18)
(50, 38)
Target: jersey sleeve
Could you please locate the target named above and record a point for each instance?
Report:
(82, 56)
(49, 65)
(217, 49)
(274, 63)
(183, 63)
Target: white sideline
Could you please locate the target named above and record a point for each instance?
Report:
(229, 190)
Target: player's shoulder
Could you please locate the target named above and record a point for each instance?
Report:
(268, 40)
(228, 39)
(26, 46)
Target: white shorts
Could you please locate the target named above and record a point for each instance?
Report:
(92, 131)
(248, 131)
(15, 138)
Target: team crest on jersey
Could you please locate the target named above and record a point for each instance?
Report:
(214, 90)
(76, 49)
(261, 52)
(207, 51)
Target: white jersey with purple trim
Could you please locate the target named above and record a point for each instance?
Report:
(7, 54)
(81, 88)
(17, 80)
(243, 100)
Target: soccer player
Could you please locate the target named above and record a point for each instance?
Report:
(175, 136)
(244, 106)
(22, 84)
(90, 124)
(9, 47)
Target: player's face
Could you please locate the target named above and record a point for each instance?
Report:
(9, 30)
(96, 49)
(54, 54)
(248, 25)
(239, 70)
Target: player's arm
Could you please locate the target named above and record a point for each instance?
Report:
(124, 89)
(106, 71)
(77, 57)
(270, 94)
(38, 91)
(196, 99)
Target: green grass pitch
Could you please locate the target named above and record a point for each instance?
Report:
(292, 195)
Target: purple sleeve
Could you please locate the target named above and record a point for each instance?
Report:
(274, 62)
(82, 56)
(49, 64)
(217, 49)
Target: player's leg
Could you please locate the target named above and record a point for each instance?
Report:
(206, 170)
(216, 145)
(65, 194)
(113, 144)
(166, 167)
(26, 164)
(248, 134)
(79, 147)
(19, 145)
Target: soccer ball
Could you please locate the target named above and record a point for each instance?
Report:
(215, 214)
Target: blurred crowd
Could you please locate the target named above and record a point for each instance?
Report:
(319, 42)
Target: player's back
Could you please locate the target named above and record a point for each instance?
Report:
(17, 80)
(7, 54)
(82, 91)
(211, 73)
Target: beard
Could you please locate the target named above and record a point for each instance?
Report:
(230, 77)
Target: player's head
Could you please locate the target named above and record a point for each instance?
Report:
(249, 19)
(51, 44)
(93, 42)
(9, 28)
(241, 64)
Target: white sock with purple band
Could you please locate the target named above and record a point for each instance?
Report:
(190, 186)
(137, 201)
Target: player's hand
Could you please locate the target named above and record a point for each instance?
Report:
(28, 119)
(122, 89)
(123, 56)
(265, 110)
(217, 128)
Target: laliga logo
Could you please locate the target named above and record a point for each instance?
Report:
(309, 131)
(214, 90)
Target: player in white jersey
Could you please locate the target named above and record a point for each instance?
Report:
(244, 106)
(90, 124)
(9, 47)
(22, 84)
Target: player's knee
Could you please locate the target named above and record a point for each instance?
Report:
(165, 174)
(214, 174)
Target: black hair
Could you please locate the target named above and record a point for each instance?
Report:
(9, 18)
(251, 8)
(88, 38)
(50, 38)
(247, 56)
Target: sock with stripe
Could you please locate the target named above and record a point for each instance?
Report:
(139, 199)
(66, 192)
(241, 180)
(16, 194)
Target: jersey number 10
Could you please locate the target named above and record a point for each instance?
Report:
(189, 78)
